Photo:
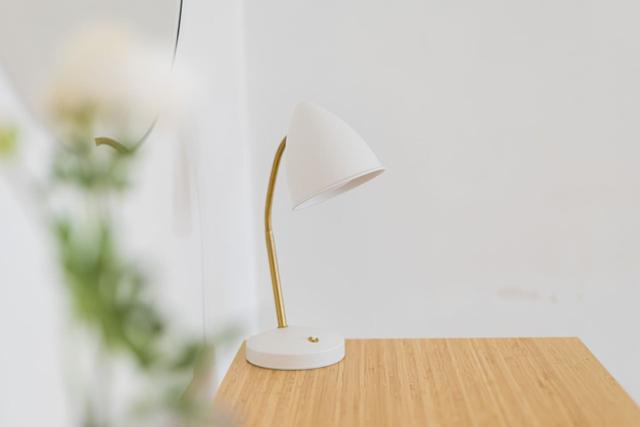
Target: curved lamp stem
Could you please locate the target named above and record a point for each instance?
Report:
(271, 246)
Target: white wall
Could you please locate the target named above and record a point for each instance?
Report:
(511, 205)
(30, 359)
(212, 45)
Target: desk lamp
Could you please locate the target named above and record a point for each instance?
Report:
(325, 157)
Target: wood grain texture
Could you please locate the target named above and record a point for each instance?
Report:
(436, 382)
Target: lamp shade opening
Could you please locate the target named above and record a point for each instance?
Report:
(325, 157)
(340, 187)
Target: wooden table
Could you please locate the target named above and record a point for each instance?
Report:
(436, 382)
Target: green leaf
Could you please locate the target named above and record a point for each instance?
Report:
(8, 140)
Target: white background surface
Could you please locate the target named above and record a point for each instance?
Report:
(510, 206)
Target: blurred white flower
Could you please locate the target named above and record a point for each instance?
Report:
(108, 82)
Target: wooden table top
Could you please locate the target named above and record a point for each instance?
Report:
(435, 382)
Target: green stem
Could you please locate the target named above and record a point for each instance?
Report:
(103, 140)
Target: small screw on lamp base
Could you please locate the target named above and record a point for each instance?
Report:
(295, 347)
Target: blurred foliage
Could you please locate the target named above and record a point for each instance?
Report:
(8, 140)
(109, 293)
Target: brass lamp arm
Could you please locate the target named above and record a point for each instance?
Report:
(271, 247)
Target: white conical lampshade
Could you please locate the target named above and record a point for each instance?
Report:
(325, 157)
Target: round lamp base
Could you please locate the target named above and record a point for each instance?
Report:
(295, 347)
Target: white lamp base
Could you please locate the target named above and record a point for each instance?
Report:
(295, 347)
